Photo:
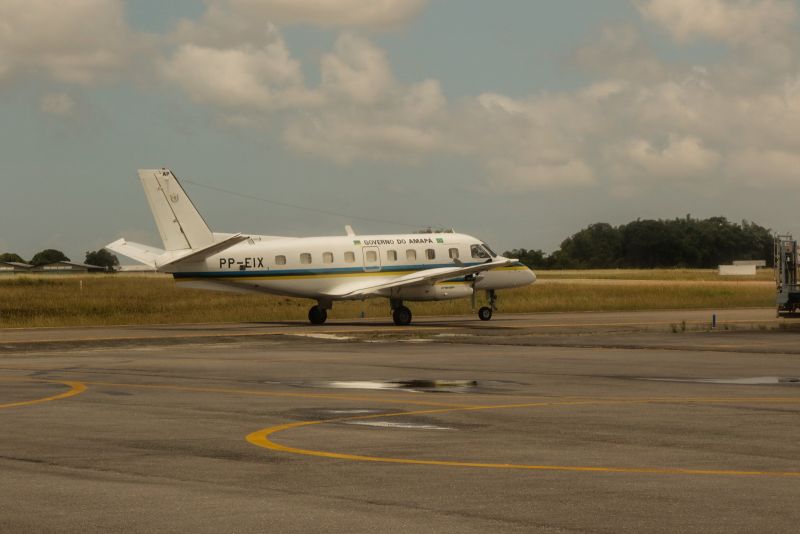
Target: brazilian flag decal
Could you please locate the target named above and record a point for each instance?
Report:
(439, 240)
(356, 242)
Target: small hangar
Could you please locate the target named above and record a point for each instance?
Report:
(66, 267)
(13, 267)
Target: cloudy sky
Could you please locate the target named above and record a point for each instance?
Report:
(520, 121)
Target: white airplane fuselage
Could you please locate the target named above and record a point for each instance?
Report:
(313, 267)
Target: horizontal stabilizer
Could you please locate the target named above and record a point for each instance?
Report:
(197, 255)
(427, 276)
(141, 253)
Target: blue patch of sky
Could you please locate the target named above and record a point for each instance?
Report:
(160, 16)
(514, 47)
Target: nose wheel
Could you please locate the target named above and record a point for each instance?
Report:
(485, 313)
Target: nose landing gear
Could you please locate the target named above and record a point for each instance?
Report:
(485, 313)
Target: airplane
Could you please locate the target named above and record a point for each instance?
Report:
(400, 267)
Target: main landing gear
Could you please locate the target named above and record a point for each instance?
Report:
(485, 313)
(401, 315)
(318, 314)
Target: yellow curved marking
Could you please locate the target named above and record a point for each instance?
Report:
(75, 388)
(261, 438)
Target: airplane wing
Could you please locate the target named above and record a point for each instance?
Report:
(427, 276)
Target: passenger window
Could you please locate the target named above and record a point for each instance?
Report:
(349, 257)
(305, 258)
(430, 253)
(280, 260)
(454, 253)
(327, 257)
(478, 252)
(372, 256)
(411, 254)
(391, 255)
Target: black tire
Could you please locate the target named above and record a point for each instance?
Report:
(401, 316)
(317, 315)
(485, 313)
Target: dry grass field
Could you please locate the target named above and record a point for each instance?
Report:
(65, 300)
(653, 274)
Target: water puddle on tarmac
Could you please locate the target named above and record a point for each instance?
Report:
(332, 337)
(450, 386)
(747, 381)
(394, 424)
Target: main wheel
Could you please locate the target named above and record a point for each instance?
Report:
(317, 315)
(485, 313)
(401, 316)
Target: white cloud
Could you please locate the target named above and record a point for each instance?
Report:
(356, 70)
(620, 52)
(398, 122)
(733, 21)
(231, 23)
(344, 138)
(640, 121)
(331, 13)
(59, 104)
(262, 78)
(73, 41)
(679, 158)
(759, 168)
(517, 176)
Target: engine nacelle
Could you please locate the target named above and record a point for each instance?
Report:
(442, 291)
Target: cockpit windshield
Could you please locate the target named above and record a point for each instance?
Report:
(478, 252)
(482, 252)
(490, 251)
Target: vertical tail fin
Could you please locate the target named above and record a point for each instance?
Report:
(180, 224)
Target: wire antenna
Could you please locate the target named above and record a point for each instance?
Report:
(298, 207)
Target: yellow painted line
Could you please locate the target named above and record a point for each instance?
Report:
(75, 388)
(261, 438)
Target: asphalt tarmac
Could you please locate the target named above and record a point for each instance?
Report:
(606, 422)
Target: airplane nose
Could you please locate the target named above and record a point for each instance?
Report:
(531, 276)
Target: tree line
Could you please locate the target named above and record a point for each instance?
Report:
(640, 244)
(101, 258)
(645, 244)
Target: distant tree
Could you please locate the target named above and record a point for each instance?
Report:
(681, 242)
(102, 258)
(49, 255)
(10, 256)
(594, 247)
